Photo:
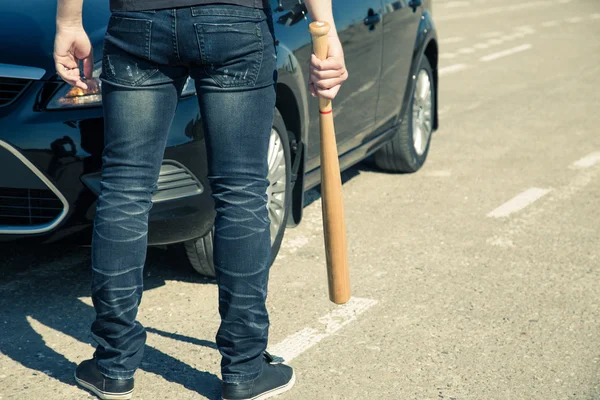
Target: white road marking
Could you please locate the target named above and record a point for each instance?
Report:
(525, 28)
(466, 50)
(504, 53)
(588, 161)
(493, 10)
(491, 34)
(447, 56)
(595, 16)
(548, 24)
(495, 41)
(454, 4)
(518, 202)
(574, 20)
(451, 68)
(482, 45)
(297, 343)
(454, 39)
(564, 1)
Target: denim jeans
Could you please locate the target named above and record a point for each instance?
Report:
(230, 52)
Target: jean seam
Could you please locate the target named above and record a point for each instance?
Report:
(174, 35)
(149, 41)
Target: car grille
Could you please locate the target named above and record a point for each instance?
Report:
(11, 89)
(28, 207)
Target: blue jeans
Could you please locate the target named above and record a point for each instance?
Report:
(230, 52)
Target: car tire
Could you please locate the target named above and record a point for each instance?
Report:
(408, 149)
(200, 251)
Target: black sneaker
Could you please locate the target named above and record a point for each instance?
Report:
(89, 377)
(275, 379)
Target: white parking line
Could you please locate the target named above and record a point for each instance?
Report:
(588, 161)
(451, 40)
(297, 343)
(595, 16)
(504, 53)
(491, 34)
(548, 24)
(495, 41)
(574, 20)
(447, 56)
(518, 202)
(466, 50)
(493, 10)
(451, 68)
(454, 4)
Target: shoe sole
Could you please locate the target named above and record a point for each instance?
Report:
(104, 395)
(274, 392)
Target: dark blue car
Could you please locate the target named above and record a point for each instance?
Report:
(51, 135)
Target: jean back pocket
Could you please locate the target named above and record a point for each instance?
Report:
(127, 56)
(232, 53)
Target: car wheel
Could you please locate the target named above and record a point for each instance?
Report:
(407, 151)
(200, 251)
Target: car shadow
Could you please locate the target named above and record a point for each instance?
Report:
(47, 286)
(366, 165)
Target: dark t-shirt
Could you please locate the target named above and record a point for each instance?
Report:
(140, 5)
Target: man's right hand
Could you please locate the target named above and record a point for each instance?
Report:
(71, 45)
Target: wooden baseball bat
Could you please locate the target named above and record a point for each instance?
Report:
(334, 226)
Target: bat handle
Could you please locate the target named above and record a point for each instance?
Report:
(319, 31)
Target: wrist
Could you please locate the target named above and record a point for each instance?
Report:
(69, 25)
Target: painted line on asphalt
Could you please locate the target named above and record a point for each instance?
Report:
(519, 202)
(454, 4)
(466, 50)
(548, 24)
(505, 53)
(297, 343)
(493, 10)
(454, 39)
(586, 162)
(447, 56)
(487, 35)
(452, 68)
(574, 20)
(595, 16)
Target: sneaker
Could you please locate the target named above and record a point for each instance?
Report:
(275, 379)
(89, 377)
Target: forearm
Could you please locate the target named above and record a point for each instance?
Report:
(68, 13)
(320, 10)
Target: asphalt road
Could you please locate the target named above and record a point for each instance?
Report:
(476, 278)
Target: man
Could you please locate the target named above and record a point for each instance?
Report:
(150, 48)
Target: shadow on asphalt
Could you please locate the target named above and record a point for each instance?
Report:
(43, 285)
(367, 164)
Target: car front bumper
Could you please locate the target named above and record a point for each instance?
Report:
(50, 164)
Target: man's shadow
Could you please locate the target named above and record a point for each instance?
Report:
(45, 286)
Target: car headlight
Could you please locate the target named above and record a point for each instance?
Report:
(71, 97)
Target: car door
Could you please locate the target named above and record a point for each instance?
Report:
(360, 30)
(400, 25)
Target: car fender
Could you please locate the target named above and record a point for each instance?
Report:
(426, 36)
